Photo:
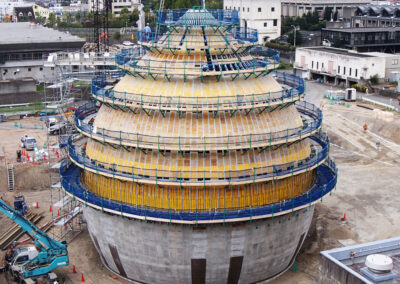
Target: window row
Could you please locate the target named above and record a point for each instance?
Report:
(248, 9)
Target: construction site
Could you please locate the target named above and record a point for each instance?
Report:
(190, 158)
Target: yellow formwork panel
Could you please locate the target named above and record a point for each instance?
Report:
(195, 165)
(150, 87)
(198, 198)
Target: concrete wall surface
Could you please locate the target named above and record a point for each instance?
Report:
(231, 253)
(331, 273)
(17, 86)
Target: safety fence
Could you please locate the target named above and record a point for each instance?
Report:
(271, 100)
(326, 178)
(153, 175)
(198, 17)
(312, 115)
(197, 38)
(152, 66)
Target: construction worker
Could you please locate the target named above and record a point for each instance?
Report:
(147, 32)
(378, 144)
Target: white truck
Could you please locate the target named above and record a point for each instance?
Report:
(29, 143)
(56, 126)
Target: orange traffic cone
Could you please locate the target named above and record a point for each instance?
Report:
(50, 209)
(116, 277)
(58, 213)
(82, 278)
(73, 269)
(37, 204)
(344, 217)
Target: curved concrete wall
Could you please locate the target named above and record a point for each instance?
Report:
(234, 253)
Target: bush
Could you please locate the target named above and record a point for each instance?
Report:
(374, 79)
(285, 65)
(364, 89)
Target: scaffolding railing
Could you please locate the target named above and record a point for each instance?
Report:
(267, 101)
(198, 17)
(198, 39)
(311, 114)
(326, 178)
(154, 175)
(154, 67)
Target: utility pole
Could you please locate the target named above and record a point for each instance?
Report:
(294, 38)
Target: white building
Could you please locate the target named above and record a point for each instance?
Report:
(263, 15)
(297, 8)
(116, 5)
(337, 65)
(7, 7)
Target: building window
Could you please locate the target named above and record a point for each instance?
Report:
(52, 68)
(272, 9)
(259, 9)
(317, 65)
(248, 9)
(243, 9)
(322, 65)
(265, 24)
(41, 68)
(275, 22)
(29, 69)
(312, 64)
(395, 62)
(344, 70)
(338, 69)
(350, 72)
(356, 72)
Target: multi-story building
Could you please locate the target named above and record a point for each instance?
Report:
(116, 5)
(24, 47)
(7, 8)
(343, 66)
(297, 8)
(264, 16)
(382, 39)
(368, 16)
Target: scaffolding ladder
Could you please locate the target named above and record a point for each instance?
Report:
(10, 177)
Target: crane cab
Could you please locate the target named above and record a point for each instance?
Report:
(20, 256)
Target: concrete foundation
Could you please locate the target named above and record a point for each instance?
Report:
(231, 253)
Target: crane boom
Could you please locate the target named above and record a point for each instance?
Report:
(52, 254)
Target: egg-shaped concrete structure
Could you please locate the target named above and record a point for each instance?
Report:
(201, 164)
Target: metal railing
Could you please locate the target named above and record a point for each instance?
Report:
(197, 68)
(199, 17)
(102, 93)
(326, 178)
(197, 39)
(226, 177)
(230, 142)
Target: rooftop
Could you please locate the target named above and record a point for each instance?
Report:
(339, 51)
(352, 258)
(364, 30)
(25, 33)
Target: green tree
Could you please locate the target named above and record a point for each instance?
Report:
(52, 20)
(328, 13)
(299, 38)
(78, 17)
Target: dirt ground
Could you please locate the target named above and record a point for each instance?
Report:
(366, 192)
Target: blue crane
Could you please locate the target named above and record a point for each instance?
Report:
(51, 254)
